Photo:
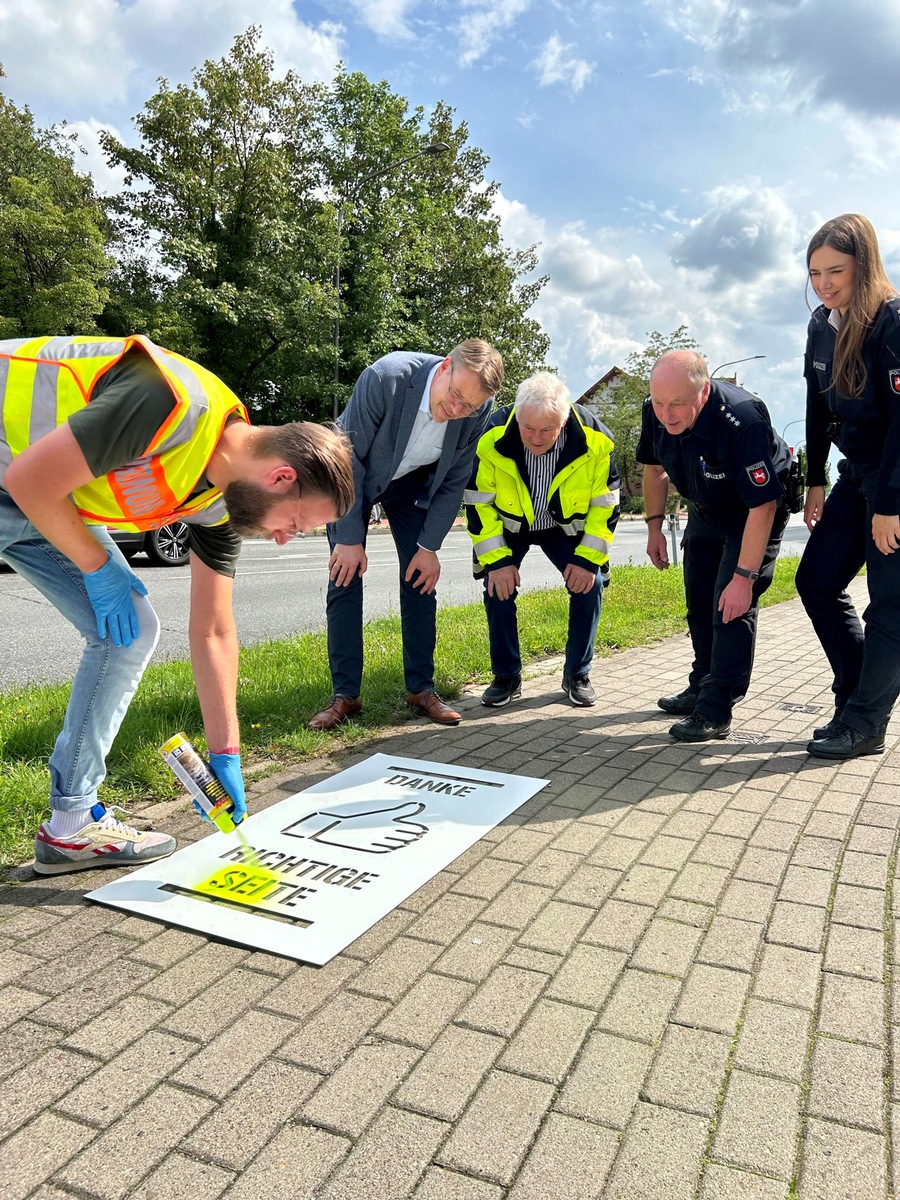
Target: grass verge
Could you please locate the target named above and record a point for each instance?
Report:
(283, 683)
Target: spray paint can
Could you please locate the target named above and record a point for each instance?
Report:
(192, 769)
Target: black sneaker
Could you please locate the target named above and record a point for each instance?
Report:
(502, 691)
(846, 743)
(681, 705)
(578, 689)
(697, 728)
(828, 731)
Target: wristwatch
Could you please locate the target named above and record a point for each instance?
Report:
(745, 574)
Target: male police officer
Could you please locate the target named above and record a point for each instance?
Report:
(545, 476)
(716, 444)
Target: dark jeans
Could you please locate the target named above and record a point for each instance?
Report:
(723, 653)
(344, 605)
(584, 609)
(866, 666)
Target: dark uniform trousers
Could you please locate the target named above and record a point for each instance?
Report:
(584, 608)
(866, 666)
(401, 501)
(723, 653)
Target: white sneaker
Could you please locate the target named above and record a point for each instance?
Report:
(105, 842)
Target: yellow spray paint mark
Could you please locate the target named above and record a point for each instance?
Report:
(243, 885)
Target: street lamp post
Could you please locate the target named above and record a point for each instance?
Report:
(798, 421)
(430, 150)
(734, 362)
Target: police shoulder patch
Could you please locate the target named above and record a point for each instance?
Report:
(894, 379)
(759, 474)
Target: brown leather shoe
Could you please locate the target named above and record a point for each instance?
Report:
(430, 705)
(337, 712)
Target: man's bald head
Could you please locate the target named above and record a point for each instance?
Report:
(679, 388)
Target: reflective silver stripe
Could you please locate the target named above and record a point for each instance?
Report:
(208, 516)
(478, 497)
(5, 452)
(595, 543)
(184, 431)
(511, 523)
(63, 348)
(489, 544)
(43, 401)
(573, 528)
(11, 345)
(607, 500)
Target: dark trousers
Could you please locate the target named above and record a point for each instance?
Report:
(866, 665)
(344, 605)
(584, 609)
(723, 653)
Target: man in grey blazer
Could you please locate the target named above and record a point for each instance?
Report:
(414, 421)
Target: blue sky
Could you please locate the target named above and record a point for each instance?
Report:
(672, 159)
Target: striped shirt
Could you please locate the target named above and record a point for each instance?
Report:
(541, 469)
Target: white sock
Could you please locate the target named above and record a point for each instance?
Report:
(64, 824)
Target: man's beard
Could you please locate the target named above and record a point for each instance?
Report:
(247, 504)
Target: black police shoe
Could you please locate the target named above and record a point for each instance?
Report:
(846, 743)
(503, 690)
(828, 731)
(681, 705)
(578, 689)
(697, 728)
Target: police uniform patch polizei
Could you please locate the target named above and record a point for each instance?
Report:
(759, 474)
(894, 379)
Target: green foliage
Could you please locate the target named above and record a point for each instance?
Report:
(621, 407)
(53, 264)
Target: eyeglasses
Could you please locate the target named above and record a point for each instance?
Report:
(458, 400)
(295, 524)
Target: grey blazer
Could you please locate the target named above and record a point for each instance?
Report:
(378, 420)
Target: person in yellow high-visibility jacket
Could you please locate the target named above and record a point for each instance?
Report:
(545, 475)
(98, 432)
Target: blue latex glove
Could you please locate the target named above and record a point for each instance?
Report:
(227, 768)
(109, 591)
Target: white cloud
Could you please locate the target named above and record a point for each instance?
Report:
(557, 64)
(482, 23)
(107, 180)
(386, 18)
(87, 55)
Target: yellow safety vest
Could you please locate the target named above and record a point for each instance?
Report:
(44, 380)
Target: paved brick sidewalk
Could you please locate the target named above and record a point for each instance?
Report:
(666, 976)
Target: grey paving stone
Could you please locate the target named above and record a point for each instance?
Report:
(169, 947)
(292, 1167)
(85, 998)
(327, 1038)
(393, 972)
(853, 1009)
(871, 839)
(239, 1129)
(387, 1163)
(731, 943)
(349, 1099)
(587, 976)
(774, 1040)
(618, 925)
(822, 853)
(640, 1005)
(865, 870)
(527, 959)
(719, 851)
(38, 1085)
(660, 1157)
(448, 917)
(772, 834)
(788, 975)
(117, 1086)
(667, 947)
(36, 1152)
(187, 978)
(734, 822)
(440, 1184)
(644, 885)
(727, 1183)
(758, 1124)
(806, 885)
(235, 1053)
(606, 1081)
(579, 837)
(181, 1176)
(550, 868)
(762, 866)
(712, 999)
(799, 925)
(846, 1083)
(219, 1006)
(517, 905)
(556, 928)
(377, 937)
(855, 952)
(569, 1161)
(522, 845)
(665, 851)
(23, 1042)
(500, 1004)
(687, 824)
(688, 1070)
(589, 886)
(109, 1033)
(747, 900)
(701, 882)
(120, 1158)
(475, 952)
(863, 907)
(548, 1041)
(486, 878)
(686, 912)
(447, 1075)
(840, 1163)
(885, 815)
(425, 1010)
(16, 1002)
(496, 1131)
(829, 824)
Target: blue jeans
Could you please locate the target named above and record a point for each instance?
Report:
(107, 675)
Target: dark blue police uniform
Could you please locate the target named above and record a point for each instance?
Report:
(732, 460)
(867, 431)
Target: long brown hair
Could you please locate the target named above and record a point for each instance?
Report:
(853, 234)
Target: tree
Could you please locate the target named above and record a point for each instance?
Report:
(284, 246)
(53, 264)
(621, 406)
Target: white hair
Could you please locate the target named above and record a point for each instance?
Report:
(544, 392)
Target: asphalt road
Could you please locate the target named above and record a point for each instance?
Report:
(279, 591)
